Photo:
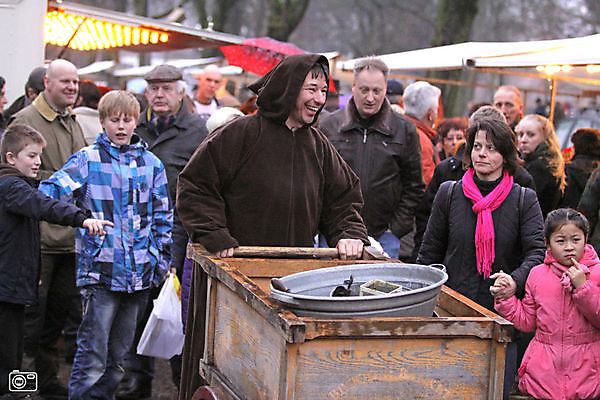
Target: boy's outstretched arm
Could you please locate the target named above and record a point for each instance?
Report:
(96, 226)
(64, 182)
(22, 199)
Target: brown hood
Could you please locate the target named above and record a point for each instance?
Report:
(8, 170)
(278, 89)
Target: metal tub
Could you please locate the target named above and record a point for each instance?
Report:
(309, 291)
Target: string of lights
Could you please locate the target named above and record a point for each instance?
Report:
(93, 34)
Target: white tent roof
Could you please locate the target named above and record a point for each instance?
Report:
(575, 51)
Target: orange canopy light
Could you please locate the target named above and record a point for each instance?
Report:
(95, 34)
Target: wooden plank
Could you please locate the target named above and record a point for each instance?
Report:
(211, 316)
(456, 304)
(291, 369)
(496, 378)
(387, 368)
(477, 327)
(264, 268)
(247, 349)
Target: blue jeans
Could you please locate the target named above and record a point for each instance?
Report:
(390, 244)
(104, 337)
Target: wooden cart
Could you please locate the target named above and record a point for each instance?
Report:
(252, 348)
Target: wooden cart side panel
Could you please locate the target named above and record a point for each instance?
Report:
(496, 378)
(390, 369)
(292, 327)
(248, 350)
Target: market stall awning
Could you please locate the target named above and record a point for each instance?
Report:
(182, 63)
(573, 51)
(579, 51)
(90, 28)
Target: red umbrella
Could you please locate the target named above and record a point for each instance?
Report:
(260, 55)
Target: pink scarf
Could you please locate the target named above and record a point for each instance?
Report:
(589, 259)
(483, 207)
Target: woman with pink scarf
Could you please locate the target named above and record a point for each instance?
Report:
(486, 223)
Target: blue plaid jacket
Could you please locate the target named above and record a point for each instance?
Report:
(128, 186)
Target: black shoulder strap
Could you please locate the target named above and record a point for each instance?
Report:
(521, 202)
(449, 196)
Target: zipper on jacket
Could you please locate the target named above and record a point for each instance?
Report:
(365, 135)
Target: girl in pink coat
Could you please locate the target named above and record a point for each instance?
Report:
(562, 305)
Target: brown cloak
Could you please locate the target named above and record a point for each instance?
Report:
(255, 182)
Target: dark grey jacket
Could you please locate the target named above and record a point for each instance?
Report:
(174, 147)
(450, 240)
(176, 144)
(386, 155)
(21, 208)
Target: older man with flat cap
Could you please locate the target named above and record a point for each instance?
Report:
(172, 134)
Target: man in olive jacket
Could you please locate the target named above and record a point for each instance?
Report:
(382, 147)
(50, 114)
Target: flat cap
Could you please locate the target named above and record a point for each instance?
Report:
(163, 73)
(394, 87)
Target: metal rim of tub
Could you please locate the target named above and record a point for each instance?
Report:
(322, 280)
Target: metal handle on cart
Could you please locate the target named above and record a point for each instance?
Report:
(438, 266)
(284, 299)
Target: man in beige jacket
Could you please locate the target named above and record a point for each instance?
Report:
(50, 114)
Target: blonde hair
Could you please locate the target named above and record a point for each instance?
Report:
(555, 161)
(118, 102)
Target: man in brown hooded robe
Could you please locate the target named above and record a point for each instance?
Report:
(272, 178)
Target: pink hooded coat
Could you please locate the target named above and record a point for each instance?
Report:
(563, 359)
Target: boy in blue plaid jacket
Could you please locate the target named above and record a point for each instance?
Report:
(117, 179)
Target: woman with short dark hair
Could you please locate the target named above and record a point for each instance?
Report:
(486, 223)
(488, 206)
(451, 132)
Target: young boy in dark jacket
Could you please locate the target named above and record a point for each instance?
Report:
(21, 208)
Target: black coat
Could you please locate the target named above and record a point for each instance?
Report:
(450, 240)
(256, 182)
(176, 144)
(451, 170)
(547, 186)
(21, 208)
(589, 205)
(386, 156)
(174, 147)
(578, 171)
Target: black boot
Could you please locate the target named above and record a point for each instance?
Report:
(134, 388)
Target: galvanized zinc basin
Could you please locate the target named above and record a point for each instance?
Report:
(309, 291)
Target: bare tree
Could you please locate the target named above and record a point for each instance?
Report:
(453, 25)
(284, 17)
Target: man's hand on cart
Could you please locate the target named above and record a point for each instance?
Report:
(224, 253)
(350, 249)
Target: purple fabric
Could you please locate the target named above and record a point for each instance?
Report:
(186, 283)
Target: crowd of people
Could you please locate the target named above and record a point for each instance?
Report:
(103, 189)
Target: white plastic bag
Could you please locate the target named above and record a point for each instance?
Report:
(163, 334)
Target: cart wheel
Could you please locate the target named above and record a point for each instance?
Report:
(207, 393)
